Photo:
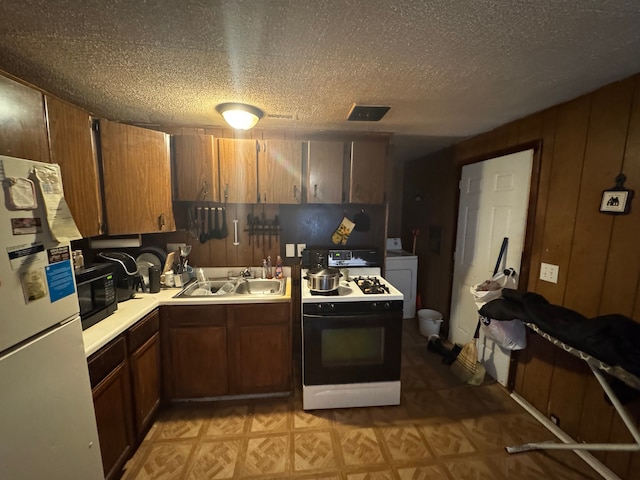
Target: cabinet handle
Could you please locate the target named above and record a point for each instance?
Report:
(205, 190)
(315, 191)
(264, 198)
(295, 191)
(161, 221)
(226, 191)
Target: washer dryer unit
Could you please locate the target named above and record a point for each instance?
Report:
(402, 272)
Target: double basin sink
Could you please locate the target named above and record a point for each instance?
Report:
(241, 286)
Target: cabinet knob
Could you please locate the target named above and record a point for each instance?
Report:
(315, 191)
(161, 221)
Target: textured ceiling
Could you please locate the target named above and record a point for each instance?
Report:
(447, 68)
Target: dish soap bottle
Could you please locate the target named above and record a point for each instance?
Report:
(269, 270)
(279, 273)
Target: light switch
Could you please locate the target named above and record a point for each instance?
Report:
(290, 250)
(301, 247)
(549, 272)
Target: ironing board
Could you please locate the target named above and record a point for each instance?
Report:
(597, 367)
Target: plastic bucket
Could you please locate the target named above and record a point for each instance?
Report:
(429, 322)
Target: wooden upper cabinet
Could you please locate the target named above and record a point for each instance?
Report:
(238, 170)
(196, 168)
(279, 171)
(136, 168)
(72, 147)
(23, 132)
(367, 172)
(325, 165)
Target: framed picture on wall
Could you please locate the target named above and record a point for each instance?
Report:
(615, 201)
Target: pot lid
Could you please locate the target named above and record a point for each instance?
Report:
(323, 272)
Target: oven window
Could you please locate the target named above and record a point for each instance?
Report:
(353, 348)
(345, 347)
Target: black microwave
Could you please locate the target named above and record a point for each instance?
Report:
(96, 293)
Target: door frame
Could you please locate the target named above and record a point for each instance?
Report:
(525, 264)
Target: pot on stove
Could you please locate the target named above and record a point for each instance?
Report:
(323, 279)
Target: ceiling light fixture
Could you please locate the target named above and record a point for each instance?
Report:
(240, 115)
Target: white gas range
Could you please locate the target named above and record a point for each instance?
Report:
(351, 336)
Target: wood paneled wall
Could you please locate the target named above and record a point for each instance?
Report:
(585, 144)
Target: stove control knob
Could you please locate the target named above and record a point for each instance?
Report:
(331, 306)
(381, 306)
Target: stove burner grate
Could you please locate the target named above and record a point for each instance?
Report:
(371, 285)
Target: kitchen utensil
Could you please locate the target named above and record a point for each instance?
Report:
(193, 222)
(184, 251)
(323, 279)
(223, 228)
(235, 233)
(256, 222)
(216, 225)
(203, 232)
(250, 227)
(276, 222)
(171, 260)
(212, 232)
(263, 222)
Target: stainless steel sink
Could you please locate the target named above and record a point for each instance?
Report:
(248, 286)
(204, 289)
(260, 286)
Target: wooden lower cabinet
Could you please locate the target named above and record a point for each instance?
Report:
(143, 340)
(125, 381)
(216, 350)
(109, 373)
(259, 348)
(195, 351)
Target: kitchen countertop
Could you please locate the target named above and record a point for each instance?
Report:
(134, 309)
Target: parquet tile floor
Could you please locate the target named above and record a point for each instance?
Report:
(441, 430)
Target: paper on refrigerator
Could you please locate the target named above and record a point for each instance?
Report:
(61, 224)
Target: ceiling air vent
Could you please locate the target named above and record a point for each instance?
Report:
(282, 116)
(367, 113)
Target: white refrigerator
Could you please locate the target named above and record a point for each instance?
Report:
(47, 422)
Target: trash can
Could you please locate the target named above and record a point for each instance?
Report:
(429, 322)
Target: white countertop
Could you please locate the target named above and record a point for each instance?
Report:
(134, 309)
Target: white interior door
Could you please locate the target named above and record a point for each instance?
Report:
(494, 199)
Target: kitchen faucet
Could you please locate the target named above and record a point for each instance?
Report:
(246, 273)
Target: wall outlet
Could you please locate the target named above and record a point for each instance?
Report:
(549, 272)
(301, 247)
(290, 250)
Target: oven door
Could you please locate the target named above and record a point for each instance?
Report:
(351, 348)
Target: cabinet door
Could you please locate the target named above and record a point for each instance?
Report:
(111, 389)
(260, 348)
(196, 168)
(72, 147)
(23, 132)
(325, 172)
(368, 163)
(280, 172)
(238, 170)
(144, 360)
(195, 359)
(137, 179)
